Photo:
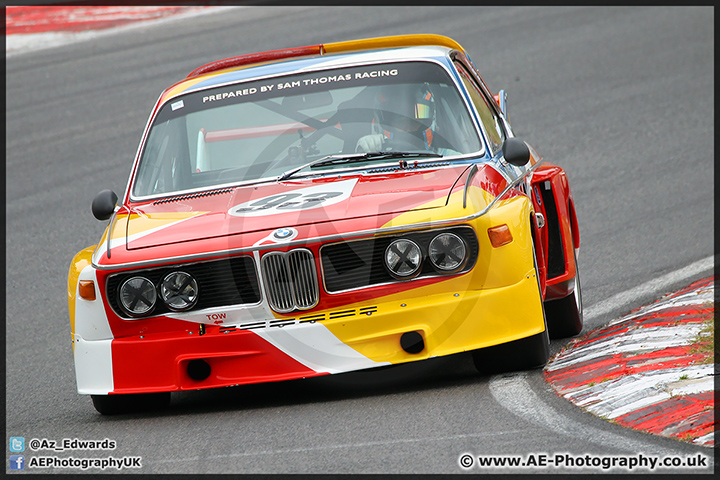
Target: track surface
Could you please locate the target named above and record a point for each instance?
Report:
(621, 97)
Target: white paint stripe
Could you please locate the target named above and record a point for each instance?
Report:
(317, 348)
(611, 410)
(626, 394)
(652, 287)
(515, 394)
(693, 387)
(639, 341)
(91, 321)
(93, 366)
(694, 298)
(710, 437)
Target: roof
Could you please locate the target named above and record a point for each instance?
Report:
(328, 49)
(234, 69)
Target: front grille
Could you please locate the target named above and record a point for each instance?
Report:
(290, 280)
(359, 264)
(231, 281)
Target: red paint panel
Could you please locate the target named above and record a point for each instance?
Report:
(490, 180)
(688, 415)
(256, 58)
(583, 373)
(556, 287)
(160, 363)
(695, 286)
(374, 201)
(615, 366)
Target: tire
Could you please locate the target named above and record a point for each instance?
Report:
(137, 402)
(565, 316)
(523, 354)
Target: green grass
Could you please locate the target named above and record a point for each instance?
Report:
(704, 342)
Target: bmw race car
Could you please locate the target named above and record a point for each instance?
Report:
(320, 210)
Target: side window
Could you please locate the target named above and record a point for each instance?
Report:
(491, 123)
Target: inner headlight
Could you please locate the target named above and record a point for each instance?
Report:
(403, 258)
(179, 291)
(137, 296)
(447, 252)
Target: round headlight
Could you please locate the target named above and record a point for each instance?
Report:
(447, 252)
(179, 291)
(137, 296)
(403, 258)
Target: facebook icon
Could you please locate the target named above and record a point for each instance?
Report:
(17, 462)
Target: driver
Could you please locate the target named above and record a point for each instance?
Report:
(404, 120)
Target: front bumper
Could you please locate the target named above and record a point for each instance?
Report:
(365, 336)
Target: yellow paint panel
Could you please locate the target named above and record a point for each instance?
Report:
(477, 200)
(448, 324)
(79, 262)
(497, 301)
(180, 88)
(391, 42)
(118, 228)
(143, 223)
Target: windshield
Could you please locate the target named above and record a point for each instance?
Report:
(261, 129)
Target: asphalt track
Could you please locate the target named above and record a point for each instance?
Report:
(621, 97)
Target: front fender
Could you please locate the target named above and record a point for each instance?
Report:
(561, 236)
(80, 261)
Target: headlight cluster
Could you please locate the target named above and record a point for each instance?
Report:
(138, 295)
(446, 251)
(403, 258)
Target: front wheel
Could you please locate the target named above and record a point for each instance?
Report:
(523, 354)
(136, 402)
(565, 316)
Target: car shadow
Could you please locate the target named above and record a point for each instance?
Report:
(431, 374)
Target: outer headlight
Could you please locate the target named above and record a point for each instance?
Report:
(403, 258)
(137, 296)
(447, 252)
(179, 291)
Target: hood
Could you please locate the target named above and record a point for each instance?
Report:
(259, 209)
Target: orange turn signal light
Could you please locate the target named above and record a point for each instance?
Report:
(500, 235)
(86, 289)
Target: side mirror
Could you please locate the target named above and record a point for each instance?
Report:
(516, 152)
(103, 205)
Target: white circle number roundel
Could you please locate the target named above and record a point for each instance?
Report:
(296, 200)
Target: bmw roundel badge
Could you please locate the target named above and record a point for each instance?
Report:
(284, 233)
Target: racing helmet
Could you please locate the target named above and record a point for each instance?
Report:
(409, 108)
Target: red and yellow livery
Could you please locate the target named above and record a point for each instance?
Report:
(321, 210)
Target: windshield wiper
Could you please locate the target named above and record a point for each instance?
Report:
(339, 159)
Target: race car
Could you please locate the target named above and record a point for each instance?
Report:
(319, 210)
